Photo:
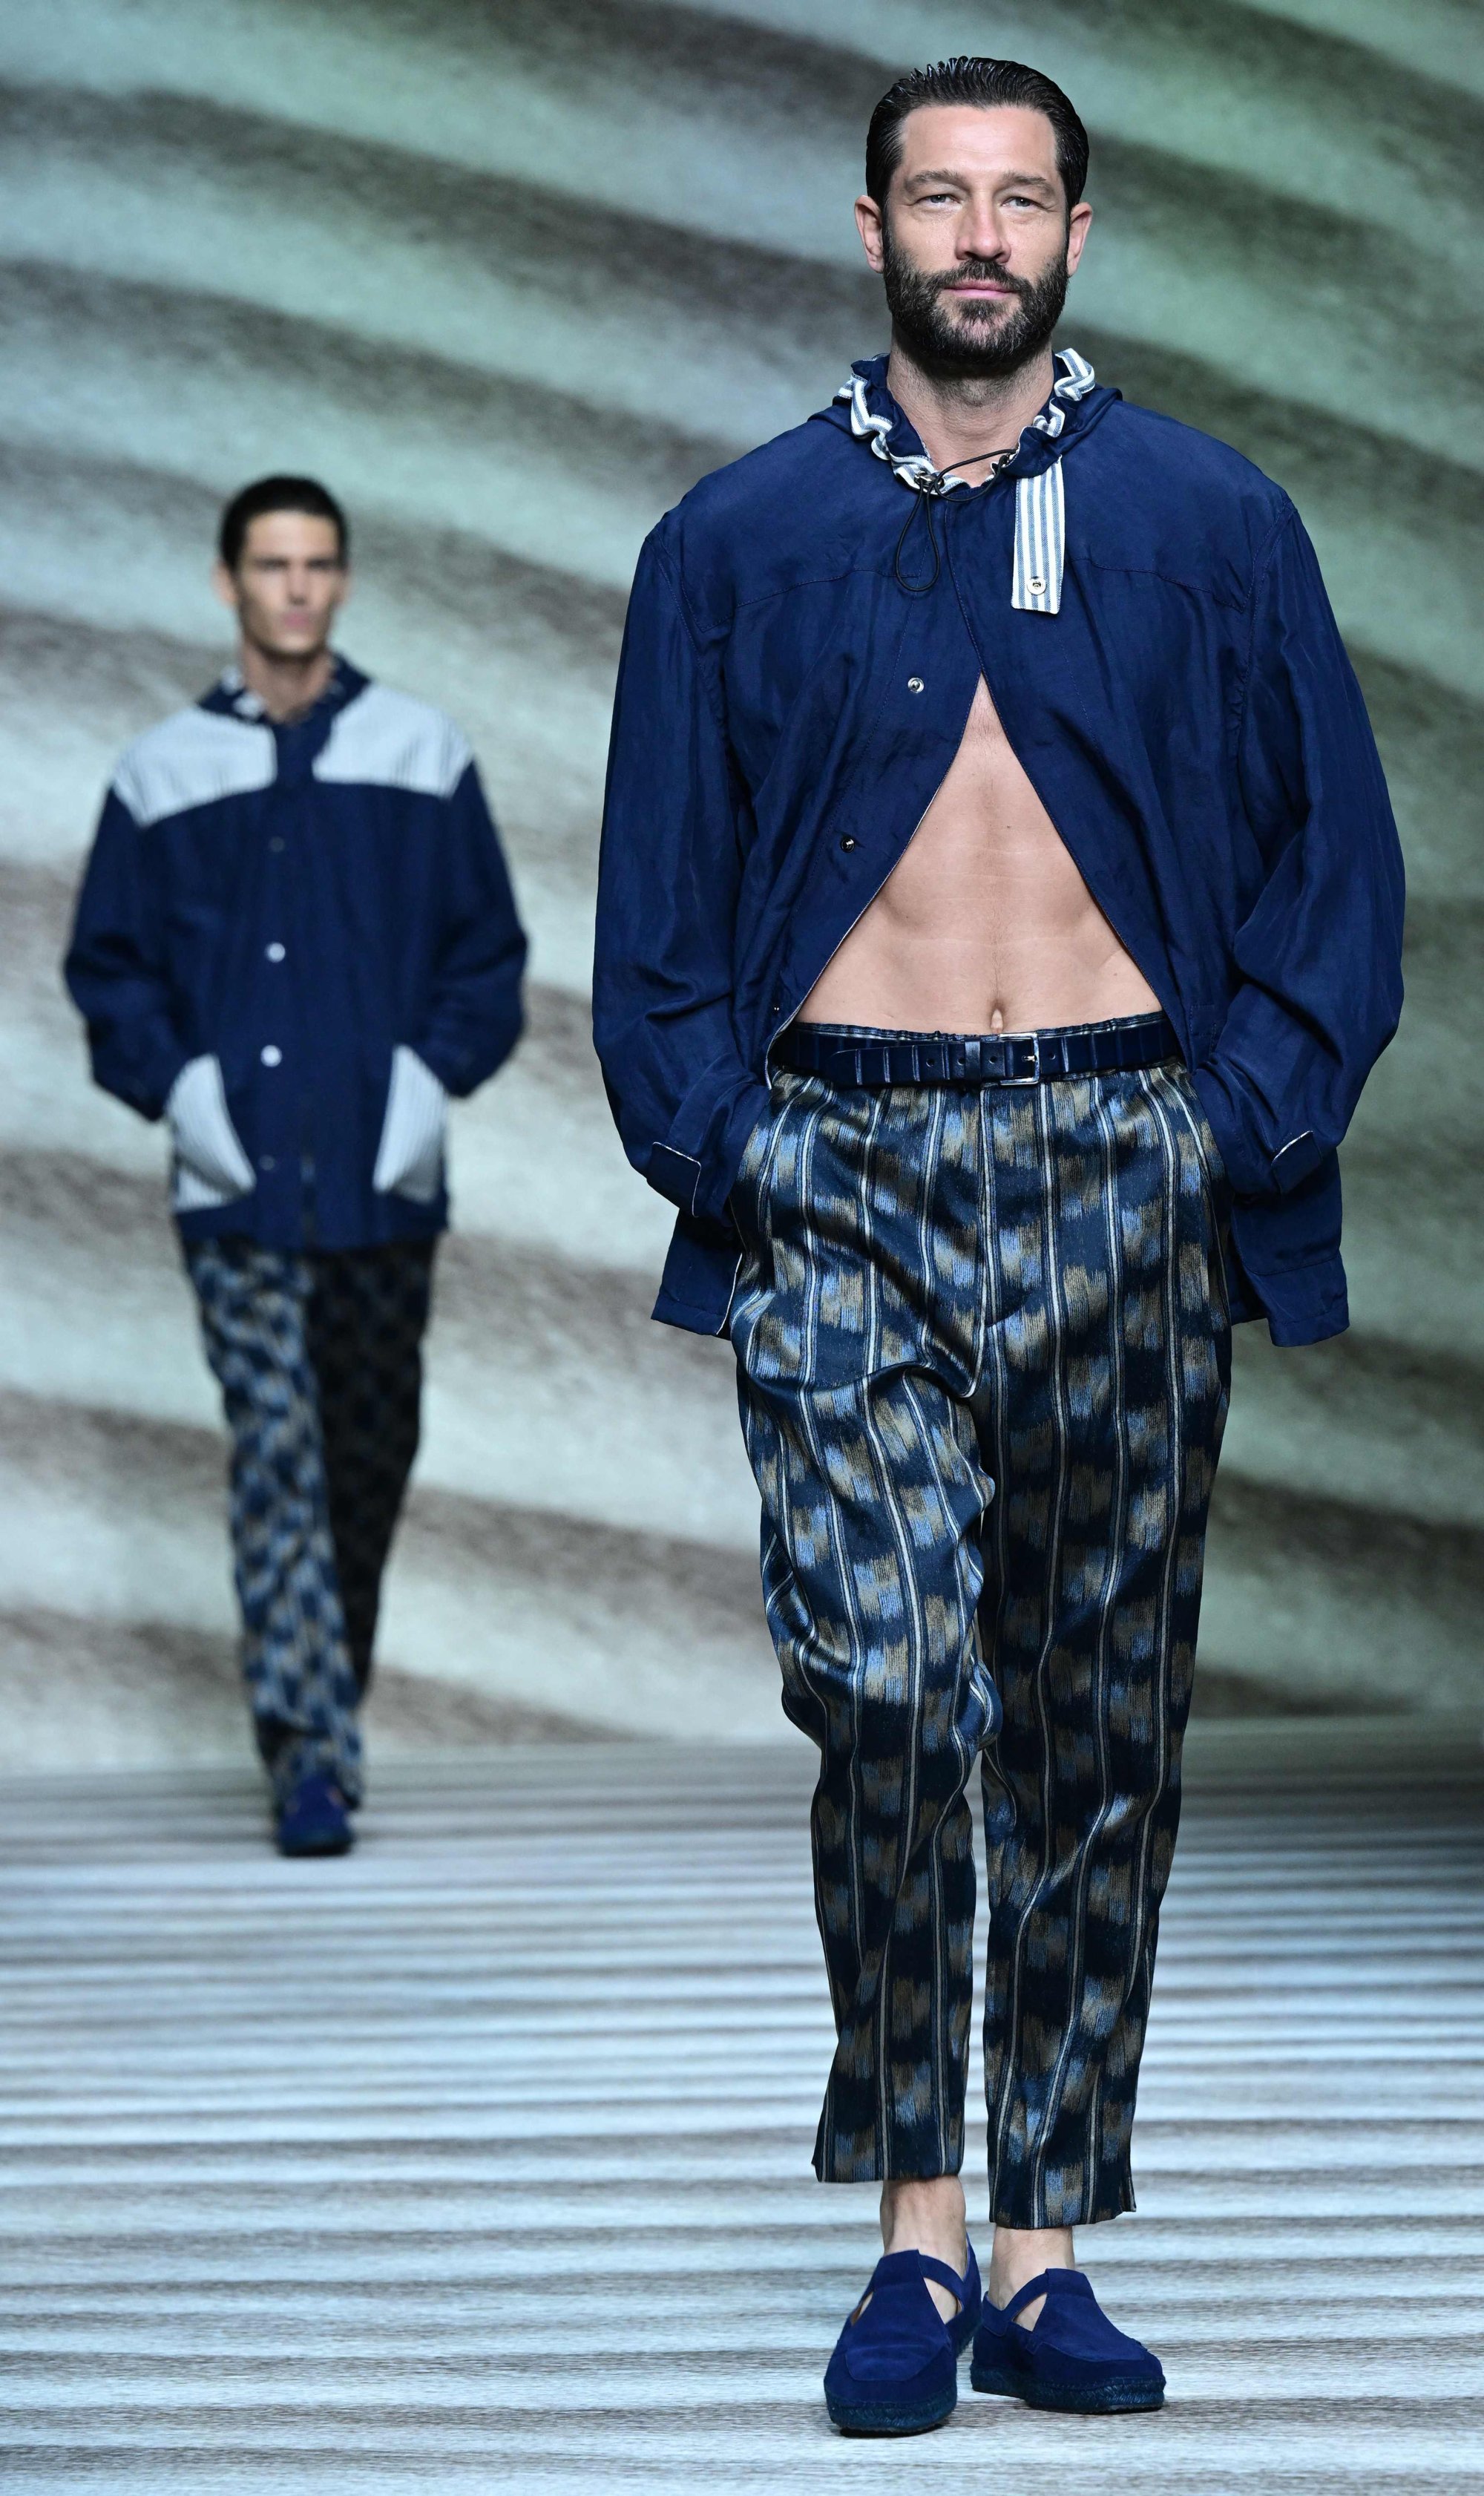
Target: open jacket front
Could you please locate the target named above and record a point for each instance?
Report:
(796, 678)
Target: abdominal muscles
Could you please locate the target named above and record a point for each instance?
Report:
(985, 924)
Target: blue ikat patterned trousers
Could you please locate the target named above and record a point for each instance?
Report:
(319, 1359)
(984, 1359)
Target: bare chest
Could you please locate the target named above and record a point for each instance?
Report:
(986, 828)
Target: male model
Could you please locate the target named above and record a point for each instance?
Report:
(294, 939)
(1000, 912)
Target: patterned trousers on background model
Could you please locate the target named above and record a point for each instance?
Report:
(983, 1358)
(319, 1359)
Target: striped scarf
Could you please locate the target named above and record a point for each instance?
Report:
(1041, 501)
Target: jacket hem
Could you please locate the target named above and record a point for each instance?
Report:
(1307, 1304)
(396, 1218)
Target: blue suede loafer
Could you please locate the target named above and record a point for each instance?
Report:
(1071, 2358)
(895, 2366)
(314, 1819)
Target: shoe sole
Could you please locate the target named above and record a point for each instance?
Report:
(1114, 2401)
(316, 1847)
(885, 2421)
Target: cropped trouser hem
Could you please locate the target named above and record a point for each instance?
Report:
(1019, 2200)
(983, 1359)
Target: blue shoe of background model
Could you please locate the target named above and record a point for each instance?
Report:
(314, 1819)
(1071, 2358)
(895, 2366)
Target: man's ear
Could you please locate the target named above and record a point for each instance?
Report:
(225, 584)
(1077, 225)
(870, 224)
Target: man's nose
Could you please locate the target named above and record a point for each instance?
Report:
(979, 237)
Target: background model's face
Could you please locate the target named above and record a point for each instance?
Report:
(288, 585)
(973, 240)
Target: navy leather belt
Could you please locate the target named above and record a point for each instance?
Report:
(993, 1057)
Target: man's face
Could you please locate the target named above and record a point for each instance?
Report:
(288, 585)
(973, 240)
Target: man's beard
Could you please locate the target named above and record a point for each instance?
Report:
(983, 341)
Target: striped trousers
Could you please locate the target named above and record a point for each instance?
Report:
(319, 1359)
(983, 1359)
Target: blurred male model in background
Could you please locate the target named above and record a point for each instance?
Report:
(1000, 912)
(294, 939)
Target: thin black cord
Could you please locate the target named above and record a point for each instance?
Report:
(920, 588)
(917, 588)
(974, 457)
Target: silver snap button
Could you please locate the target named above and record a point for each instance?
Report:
(273, 1056)
(275, 953)
(914, 684)
(266, 1163)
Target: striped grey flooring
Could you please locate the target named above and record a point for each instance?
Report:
(480, 2160)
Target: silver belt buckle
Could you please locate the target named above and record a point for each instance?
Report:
(1018, 1082)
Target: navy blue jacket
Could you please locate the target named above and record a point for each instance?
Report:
(787, 709)
(296, 901)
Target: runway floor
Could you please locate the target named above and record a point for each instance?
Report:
(480, 2160)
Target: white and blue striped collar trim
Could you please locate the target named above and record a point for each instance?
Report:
(1041, 501)
(246, 704)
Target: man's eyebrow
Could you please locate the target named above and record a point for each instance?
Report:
(946, 174)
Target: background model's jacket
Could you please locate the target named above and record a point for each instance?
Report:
(795, 684)
(322, 909)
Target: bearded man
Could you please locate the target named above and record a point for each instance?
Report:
(1000, 913)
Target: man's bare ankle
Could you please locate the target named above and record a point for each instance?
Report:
(926, 2213)
(1021, 2253)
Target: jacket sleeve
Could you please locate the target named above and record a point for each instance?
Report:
(1318, 958)
(116, 967)
(474, 1017)
(673, 832)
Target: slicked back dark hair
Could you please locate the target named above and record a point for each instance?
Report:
(971, 79)
(278, 494)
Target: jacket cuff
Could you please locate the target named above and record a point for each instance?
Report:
(700, 1182)
(1251, 1170)
(1294, 1159)
(676, 1176)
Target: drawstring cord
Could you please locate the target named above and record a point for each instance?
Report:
(923, 499)
(1040, 524)
(921, 502)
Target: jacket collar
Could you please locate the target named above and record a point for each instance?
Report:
(863, 406)
(231, 698)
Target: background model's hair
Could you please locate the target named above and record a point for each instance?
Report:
(278, 494)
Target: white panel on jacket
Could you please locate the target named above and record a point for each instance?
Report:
(387, 740)
(192, 758)
(211, 1167)
(409, 1160)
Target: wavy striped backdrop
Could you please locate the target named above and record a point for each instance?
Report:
(511, 277)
